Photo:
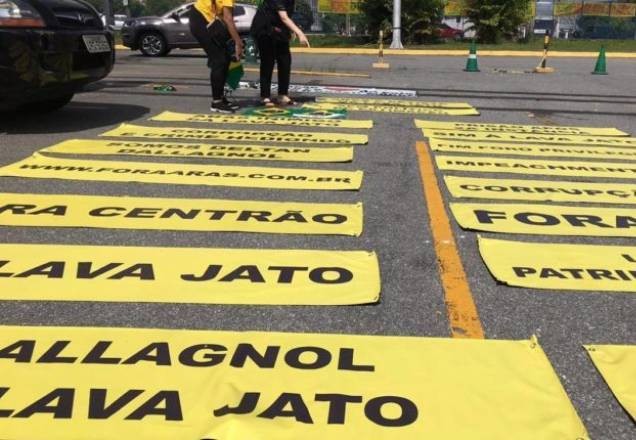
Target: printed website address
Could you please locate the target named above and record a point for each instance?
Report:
(192, 173)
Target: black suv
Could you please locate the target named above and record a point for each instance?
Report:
(49, 49)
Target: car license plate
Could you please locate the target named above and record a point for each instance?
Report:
(96, 43)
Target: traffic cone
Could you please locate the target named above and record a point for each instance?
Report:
(601, 64)
(471, 63)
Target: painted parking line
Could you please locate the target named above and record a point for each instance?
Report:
(462, 312)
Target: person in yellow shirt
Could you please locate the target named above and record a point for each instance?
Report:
(212, 24)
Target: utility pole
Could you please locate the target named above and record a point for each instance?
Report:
(108, 12)
(397, 25)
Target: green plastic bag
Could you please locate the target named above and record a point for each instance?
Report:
(234, 74)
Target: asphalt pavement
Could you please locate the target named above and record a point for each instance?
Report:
(396, 223)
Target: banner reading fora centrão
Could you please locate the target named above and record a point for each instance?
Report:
(123, 384)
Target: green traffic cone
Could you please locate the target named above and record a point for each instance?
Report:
(601, 64)
(471, 64)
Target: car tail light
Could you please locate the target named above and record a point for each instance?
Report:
(18, 13)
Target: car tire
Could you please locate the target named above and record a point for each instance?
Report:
(153, 44)
(50, 105)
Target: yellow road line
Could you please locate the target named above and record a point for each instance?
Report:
(446, 53)
(460, 306)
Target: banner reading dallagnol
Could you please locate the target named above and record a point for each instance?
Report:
(203, 150)
(61, 383)
(188, 275)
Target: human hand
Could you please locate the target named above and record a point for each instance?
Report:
(302, 38)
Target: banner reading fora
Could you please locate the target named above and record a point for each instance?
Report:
(57, 210)
(188, 275)
(545, 219)
(43, 167)
(144, 384)
(206, 134)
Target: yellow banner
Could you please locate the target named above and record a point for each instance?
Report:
(261, 120)
(179, 214)
(617, 365)
(521, 149)
(520, 128)
(398, 109)
(211, 134)
(545, 219)
(613, 170)
(391, 102)
(62, 383)
(204, 151)
(561, 266)
(541, 190)
(561, 139)
(43, 167)
(188, 275)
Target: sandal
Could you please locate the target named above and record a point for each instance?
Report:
(267, 103)
(286, 100)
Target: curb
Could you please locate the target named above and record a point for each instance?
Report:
(448, 53)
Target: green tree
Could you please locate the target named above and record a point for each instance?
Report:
(303, 16)
(494, 20)
(419, 17)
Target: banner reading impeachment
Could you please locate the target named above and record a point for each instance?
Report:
(188, 275)
(64, 383)
(203, 151)
(612, 170)
(519, 128)
(210, 134)
(65, 210)
(557, 266)
(42, 167)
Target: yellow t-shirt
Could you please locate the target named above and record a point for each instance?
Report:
(209, 11)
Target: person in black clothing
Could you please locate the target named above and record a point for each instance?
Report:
(273, 29)
(212, 24)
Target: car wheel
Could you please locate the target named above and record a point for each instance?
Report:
(49, 105)
(152, 44)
